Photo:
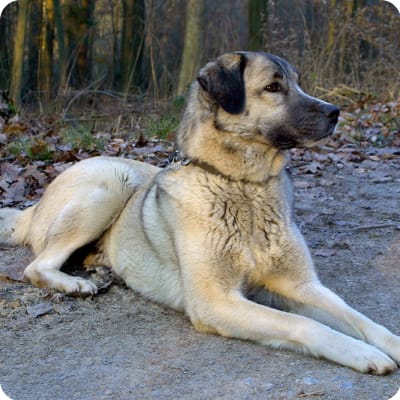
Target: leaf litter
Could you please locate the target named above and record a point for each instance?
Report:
(33, 152)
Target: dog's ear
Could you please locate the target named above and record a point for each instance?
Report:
(223, 81)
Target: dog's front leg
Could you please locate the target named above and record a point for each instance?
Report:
(228, 313)
(314, 300)
(214, 302)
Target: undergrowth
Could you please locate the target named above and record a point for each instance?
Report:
(162, 126)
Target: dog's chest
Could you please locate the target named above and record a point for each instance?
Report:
(248, 218)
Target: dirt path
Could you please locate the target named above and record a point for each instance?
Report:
(118, 345)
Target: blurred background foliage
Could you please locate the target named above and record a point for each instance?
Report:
(63, 54)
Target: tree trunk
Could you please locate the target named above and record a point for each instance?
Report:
(60, 40)
(192, 44)
(8, 20)
(346, 12)
(18, 59)
(115, 24)
(84, 56)
(78, 15)
(330, 43)
(258, 10)
(46, 52)
(132, 42)
(33, 45)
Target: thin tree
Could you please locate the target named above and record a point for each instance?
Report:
(46, 52)
(257, 16)
(192, 44)
(85, 45)
(78, 21)
(114, 10)
(132, 41)
(19, 48)
(33, 45)
(8, 18)
(60, 40)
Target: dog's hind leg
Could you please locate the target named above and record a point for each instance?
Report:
(76, 209)
(79, 222)
(44, 271)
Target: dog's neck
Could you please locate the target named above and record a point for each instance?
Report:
(203, 144)
(255, 168)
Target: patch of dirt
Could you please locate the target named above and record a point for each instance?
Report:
(118, 345)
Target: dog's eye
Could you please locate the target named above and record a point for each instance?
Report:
(273, 87)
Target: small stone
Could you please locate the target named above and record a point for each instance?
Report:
(308, 380)
(346, 385)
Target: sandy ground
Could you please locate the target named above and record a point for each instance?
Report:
(118, 345)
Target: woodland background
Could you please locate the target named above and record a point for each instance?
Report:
(51, 48)
(82, 77)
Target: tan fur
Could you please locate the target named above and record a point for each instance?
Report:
(212, 236)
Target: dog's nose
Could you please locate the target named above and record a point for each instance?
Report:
(331, 111)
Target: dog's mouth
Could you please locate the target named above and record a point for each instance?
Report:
(321, 139)
(286, 141)
(318, 141)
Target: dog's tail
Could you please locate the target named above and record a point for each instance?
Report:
(15, 225)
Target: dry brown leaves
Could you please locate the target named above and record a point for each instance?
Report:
(33, 153)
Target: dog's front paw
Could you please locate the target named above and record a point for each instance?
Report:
(370, 360)
(392, 347)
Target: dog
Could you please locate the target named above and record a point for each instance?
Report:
(211, 235)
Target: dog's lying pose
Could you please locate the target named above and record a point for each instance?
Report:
(213, 235)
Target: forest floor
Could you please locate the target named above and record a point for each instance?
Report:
(118, 345)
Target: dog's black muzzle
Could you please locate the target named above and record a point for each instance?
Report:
(311, 120)
(314, 120)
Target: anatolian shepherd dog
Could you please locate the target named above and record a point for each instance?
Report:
(212, 235)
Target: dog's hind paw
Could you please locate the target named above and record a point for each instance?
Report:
(76, 286)
(55, 279)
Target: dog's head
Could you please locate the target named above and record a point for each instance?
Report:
(258, 96)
